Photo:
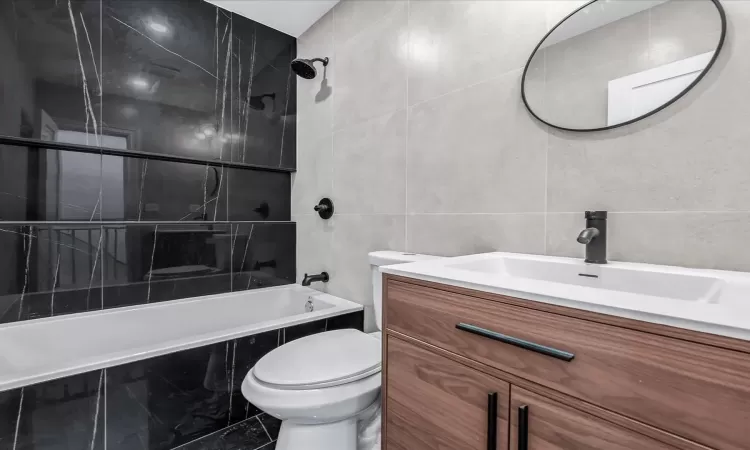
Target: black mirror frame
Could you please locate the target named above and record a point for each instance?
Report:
(722, 38)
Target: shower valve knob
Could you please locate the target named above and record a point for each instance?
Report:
(324, 208)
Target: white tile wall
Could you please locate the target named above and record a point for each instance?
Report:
(419, 135)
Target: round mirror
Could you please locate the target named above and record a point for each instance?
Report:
(613, 62)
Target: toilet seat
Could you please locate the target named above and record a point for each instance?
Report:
(323, 360)
(313, 406)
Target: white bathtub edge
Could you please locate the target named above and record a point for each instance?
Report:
(340, 307)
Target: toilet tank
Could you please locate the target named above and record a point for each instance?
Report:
(387, 258)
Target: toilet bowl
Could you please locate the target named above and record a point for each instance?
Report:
(320, 386)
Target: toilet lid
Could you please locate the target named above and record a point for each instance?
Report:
(326, 359)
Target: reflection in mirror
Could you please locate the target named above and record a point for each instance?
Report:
(180, 78)
(615, 61)
(131, 263)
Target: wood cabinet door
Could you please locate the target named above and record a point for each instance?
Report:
(539, 423)
(434, 403)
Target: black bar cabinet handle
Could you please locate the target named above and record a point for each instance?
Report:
(523, 427)
(528, 345)
(492, 421)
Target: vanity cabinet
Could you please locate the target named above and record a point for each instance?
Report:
(588, 381)
(435, 403)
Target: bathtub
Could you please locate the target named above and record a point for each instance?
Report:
(40, 350)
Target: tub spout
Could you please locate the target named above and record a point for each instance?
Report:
(309, 279)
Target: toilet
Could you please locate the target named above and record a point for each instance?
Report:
(320, 386)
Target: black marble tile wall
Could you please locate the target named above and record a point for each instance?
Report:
(85, 231)
(191, 398)
(59, 185)
(54, 269)
(175, 77)
(163, 76)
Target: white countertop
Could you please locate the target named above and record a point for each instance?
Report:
(725, 312)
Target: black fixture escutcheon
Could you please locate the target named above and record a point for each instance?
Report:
(325, 208)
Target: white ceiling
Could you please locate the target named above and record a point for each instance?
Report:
(292, 17)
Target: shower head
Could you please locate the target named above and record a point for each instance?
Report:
(305, 68)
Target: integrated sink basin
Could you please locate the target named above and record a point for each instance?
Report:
(643, 281)
(704, 300)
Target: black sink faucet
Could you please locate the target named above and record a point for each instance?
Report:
(594, 237)
(309, 279)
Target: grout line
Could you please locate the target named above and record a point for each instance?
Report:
(96, 225)
(332, 102)
(521, 213)
(367, 120)
(332, 152)
(477, 214)
(558, 212)
(650, 19)
(370, 26)
(406, 131)
(660, 212)
(105, 398)
(25, 143)
(264, 428)
(348, 42)
(216, 432)
(546, 187)
(546, 157)
(308, 215)
(518, 70)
